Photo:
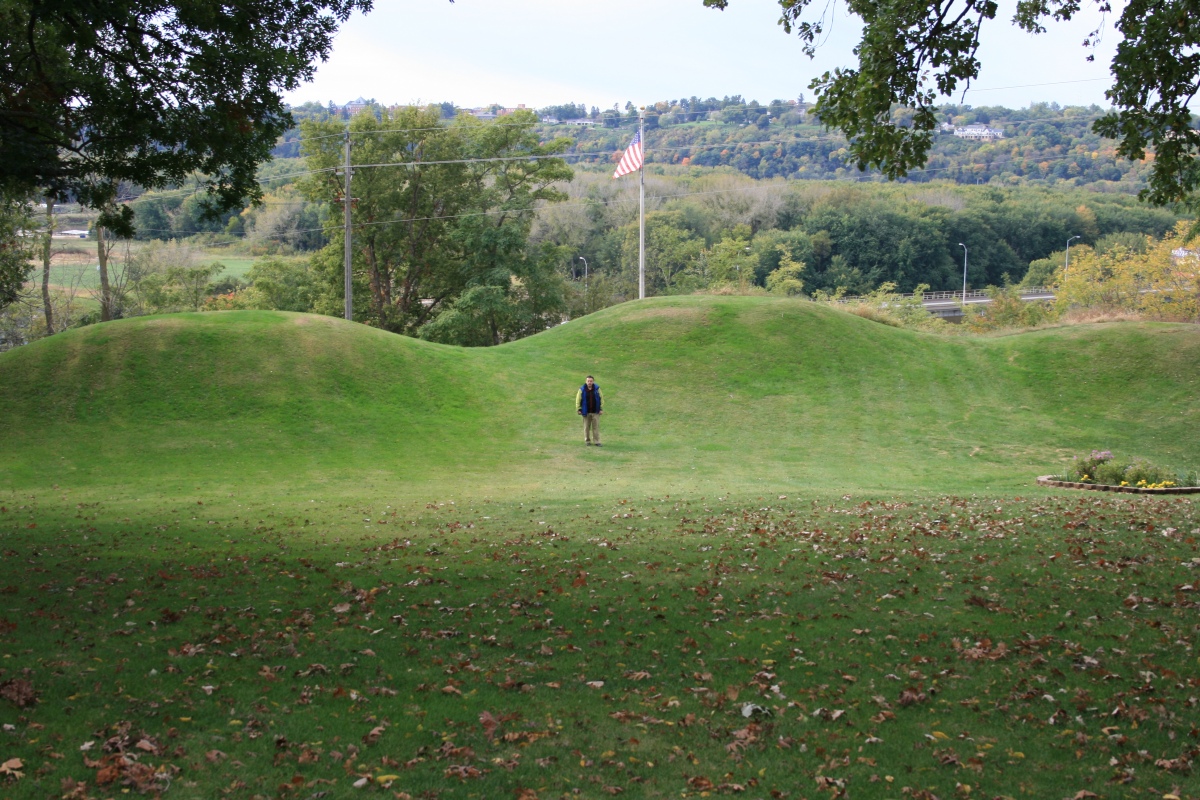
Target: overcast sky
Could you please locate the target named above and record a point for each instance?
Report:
(544, 52)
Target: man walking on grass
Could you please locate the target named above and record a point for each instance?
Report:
(587, 403)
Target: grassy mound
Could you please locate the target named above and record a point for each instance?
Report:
(292, 556)
(708, 393)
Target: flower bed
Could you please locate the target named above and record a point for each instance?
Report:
(1102, 472)
(1051, 480)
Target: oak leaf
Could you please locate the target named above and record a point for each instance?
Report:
(11, 769)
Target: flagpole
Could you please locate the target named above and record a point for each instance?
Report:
(642, 207)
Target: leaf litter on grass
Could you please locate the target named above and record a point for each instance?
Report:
(941, 646)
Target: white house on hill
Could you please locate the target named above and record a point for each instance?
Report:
(979, 132)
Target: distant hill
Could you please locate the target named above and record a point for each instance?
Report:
(702, 393)
(1043, 144)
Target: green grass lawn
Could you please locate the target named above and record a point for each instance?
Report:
(85, 276)
(235, 267)
(703, 394)
(281, 645)
(271, 555)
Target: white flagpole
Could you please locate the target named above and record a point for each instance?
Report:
(642, 207)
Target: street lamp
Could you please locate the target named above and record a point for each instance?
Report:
(1067, 258)
(585, 288)
(964, 247)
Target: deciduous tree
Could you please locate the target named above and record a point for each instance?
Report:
(15, 250)
(100, 92)
(786, 279)
(914, 51)
(1163, 281)
(440, 210)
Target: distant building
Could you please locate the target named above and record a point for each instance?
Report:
(72, 234)
(493, 111)
(582, 122)
(979, 132)
(355, 106)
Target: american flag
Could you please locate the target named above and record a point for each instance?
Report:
(632, 160)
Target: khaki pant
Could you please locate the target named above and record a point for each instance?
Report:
(591, 428)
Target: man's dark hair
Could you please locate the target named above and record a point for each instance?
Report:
(589, 376)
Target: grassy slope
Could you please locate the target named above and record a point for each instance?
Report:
(703, 394)
(261, 638)
(84, 276)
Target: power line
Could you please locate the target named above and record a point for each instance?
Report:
(593, 156)
(197, 189)
(778, 185)
(598, 155)
(448, 128)
(467, 161)
(781, 184)
(1035, 85)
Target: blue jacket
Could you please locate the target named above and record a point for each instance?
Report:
(581, 400)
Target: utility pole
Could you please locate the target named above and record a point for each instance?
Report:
(349, 288)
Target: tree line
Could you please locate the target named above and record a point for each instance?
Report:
(480, 252)
(114, 97)
(1043, 143)
(722, 228)
(478, 232)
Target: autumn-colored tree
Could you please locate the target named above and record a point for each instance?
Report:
(786, 279)
(1163, 282)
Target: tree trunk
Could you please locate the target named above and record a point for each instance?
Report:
(46, 266)
(105, 289)
(376, 282)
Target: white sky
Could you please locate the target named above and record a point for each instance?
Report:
(544, 52)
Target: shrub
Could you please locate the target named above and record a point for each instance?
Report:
(1100, 467)
(887, 307)
(1007, 311)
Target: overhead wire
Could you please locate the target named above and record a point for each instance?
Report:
(596, 155)
(777, 185)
